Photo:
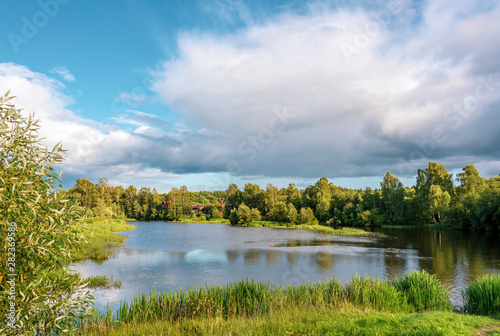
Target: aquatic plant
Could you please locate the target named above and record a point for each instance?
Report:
(482, 297)
(423, 291)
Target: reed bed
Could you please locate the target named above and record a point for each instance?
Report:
(380, 295)
(417, 291)
(482, 297)
(422, 291)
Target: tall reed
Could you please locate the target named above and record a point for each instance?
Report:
(375, 294)
(482, 297)
(416, 291)
(423, 291)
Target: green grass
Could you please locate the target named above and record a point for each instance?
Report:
(345, 231)
(347, 320)
(102, 281)
(416, 292)
(381, 295)
(423, 291)
(482, 297)
(100, 235)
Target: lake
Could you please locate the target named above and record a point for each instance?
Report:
(166, 256)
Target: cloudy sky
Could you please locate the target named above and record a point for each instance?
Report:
(207, 93)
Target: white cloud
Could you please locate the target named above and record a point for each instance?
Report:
(64, 73)
(282, 99)
(95, 149)
(355, 115)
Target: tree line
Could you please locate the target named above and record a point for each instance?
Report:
(467, 201)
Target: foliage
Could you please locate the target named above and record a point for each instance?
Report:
(282, 212)
(38, 231)
(393, 194)
(243, 215)
(474, 204)
(305, 216)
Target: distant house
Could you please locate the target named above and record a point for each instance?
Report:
(197, 207)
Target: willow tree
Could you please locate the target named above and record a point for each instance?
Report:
(38, 229)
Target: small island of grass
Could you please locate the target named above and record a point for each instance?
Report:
(100, 235)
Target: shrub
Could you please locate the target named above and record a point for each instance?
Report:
(243, 215)
(305, 216)
(37, 231)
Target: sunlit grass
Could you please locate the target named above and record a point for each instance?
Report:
(423, 291)
(482, 297)
(100, 236)
(315, 321)
(345, 231)
(416, 292)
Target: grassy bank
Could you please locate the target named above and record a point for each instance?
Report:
(416, 304)
(100, 235)
(282, 225)
(345, 231)
(347, 320)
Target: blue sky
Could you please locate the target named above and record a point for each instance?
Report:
(207, 93)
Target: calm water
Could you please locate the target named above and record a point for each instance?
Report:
(170, 256)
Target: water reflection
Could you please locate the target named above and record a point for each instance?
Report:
(168, 256)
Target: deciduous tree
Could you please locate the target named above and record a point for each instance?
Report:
(38, 230)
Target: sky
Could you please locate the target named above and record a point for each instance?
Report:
(162, 94)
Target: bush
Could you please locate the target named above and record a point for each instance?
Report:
(482, 297)
(282, 212)
(305, 216)
(38, 230)
(243, 215)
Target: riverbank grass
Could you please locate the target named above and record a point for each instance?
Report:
(345, 231)
(246, 300)
(348, 320)
(101, 235)
(423, 292)
(482, 297)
